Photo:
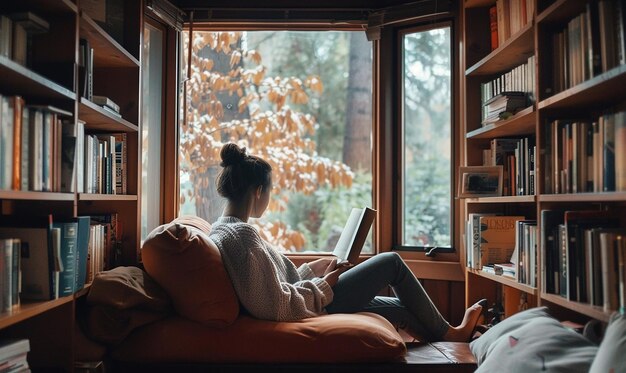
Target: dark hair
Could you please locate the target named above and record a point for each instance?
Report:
(241, 172)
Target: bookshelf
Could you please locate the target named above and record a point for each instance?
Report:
(587, 100)
(51, 78)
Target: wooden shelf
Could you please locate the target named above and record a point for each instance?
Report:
(504, 280)
(49, 6)
(29, 309)
(505, 199)
(522, 123)
(35, 196)
(479, 3)
(583, 308)
(106, 197)
(19, 80)
(107, 51)
(584, 197)
(514, 52)
(97, 118)
(602, 90)
(561, 11)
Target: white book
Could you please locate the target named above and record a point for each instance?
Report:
(35, 148)
(6, 286)
(354, 234)
(6, 144)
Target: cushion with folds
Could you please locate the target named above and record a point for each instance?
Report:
(360, 337)
(186, 263)
(611, 356)
(480, 347)
(540, 345)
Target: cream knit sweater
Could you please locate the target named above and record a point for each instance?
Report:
(268, 284)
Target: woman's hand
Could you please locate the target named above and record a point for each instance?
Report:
(322, 266)
(332, 277)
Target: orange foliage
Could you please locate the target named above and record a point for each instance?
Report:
(282, 136)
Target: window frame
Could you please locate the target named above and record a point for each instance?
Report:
(299, 258)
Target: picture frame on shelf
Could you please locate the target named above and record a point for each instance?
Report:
(480, 181)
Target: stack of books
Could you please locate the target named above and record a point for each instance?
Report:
(13, 355)
(107, 104)
(503, 106)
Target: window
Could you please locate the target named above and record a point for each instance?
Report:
(152, 85)
(301, 100)
(426, 134)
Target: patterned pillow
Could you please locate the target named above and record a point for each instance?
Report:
(480, 347)
(541, 345)
(612, 351)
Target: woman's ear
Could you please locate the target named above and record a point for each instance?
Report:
(259, 191)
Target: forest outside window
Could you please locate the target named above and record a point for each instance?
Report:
(426, 198)
(301, 100)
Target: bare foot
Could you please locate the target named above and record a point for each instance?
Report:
(463, 332)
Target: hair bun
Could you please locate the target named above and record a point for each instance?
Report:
(232, 154)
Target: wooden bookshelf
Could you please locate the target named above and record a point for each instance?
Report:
(504, 199)
(522, 123)
(26, 310)
(35, 196)
(583, 308)
(99, 119)
(49, 325)
(504, 280)
(513, 52)
(600, 90)
(19, 80)
(106, 197)
(585, 101)
(107, 51)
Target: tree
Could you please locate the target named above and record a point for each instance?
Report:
(264, 122)
(357, 147)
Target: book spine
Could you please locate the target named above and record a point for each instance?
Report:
(609, 153)
(6, 253)
(69, 234)
(18, 106)
(16, 272)
(493, 24)
(6, 144)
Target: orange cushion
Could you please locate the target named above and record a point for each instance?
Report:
(360, 337)
(181, 258)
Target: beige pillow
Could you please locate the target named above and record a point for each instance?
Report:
(186, 263)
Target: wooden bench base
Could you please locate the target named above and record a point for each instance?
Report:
(421, 357)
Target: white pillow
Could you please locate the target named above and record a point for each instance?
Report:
(611, 356)
(481, 346)
(541, 345)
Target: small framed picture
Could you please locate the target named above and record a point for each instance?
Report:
(480, 181)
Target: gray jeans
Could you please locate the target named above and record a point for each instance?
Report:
(412, 310)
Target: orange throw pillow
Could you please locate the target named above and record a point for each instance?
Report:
(183, 260)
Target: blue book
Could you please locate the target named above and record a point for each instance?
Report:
(82, 250)
(69, 236)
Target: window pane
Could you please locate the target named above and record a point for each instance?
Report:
(427, 138)
(152, 68)
(301, 100)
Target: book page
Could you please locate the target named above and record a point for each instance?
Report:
(342, 249)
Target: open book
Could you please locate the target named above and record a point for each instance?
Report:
(354, 234)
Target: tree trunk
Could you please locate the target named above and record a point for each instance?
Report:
(357, 142)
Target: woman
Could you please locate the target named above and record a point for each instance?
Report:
(270, 287)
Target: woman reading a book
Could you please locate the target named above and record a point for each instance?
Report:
(270, 287)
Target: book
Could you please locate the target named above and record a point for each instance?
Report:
(37, 262)
(6, 288)
(18, 106)
(497, 238)
(354, 234)
(6, 143)
(107, 102)
(82, 250)
(121, 162)
(493, 24)
(474, 248)
(575, 224)
(10, 348)
(6, 36)
(550, 220)
(68, 247)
